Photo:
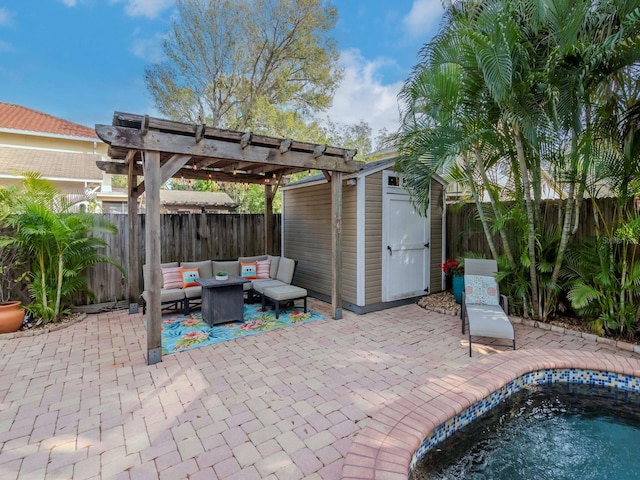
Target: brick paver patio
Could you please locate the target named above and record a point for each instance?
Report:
(82, 403)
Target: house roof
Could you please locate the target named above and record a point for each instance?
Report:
(17, 117)
(50, 164)
(190, 197)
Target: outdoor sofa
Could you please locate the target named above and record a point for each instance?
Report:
(176, 295)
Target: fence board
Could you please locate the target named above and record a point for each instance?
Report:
(465, 234)
(185, 237)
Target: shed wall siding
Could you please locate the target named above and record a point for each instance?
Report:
(373, 239)
(307, 238)
(437, 204)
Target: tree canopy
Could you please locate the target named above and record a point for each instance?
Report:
(237, 64)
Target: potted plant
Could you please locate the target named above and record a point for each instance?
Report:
(454, 270)
(222, 275)
(11, 311)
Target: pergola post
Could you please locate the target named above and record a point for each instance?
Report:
(268, 219)
(133, 272)
(336, 245)
(152, 178)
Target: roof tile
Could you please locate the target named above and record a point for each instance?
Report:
(17, 117)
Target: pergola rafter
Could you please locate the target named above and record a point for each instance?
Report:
(159, 149)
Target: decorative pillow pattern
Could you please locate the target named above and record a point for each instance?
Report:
(481, 290)
(262, 268)
(171, 278)
(189, 276)
(248, 270)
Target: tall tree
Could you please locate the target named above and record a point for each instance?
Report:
(230, 62)
(513, 83)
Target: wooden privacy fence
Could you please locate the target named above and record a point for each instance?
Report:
(185, 237)
(465, 233)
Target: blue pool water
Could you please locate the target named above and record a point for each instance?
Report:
(549, 432)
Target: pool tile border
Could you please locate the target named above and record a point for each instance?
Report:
(386, 447)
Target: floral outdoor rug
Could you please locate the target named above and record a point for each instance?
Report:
(183, 332)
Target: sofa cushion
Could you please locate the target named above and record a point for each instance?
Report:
(232, 267)
(189, 277)
(204, 267)
(193, 292)
(171, 278)
(146, 273)
(248, 270)
(285, 270)
(252, 259)
(273, 270)
(285, 292)
(262, 268)
(173, 295)
(260, 285)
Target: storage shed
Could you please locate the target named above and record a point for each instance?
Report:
(390, 254)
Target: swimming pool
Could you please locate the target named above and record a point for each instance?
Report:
(556, 431)
(401, 432)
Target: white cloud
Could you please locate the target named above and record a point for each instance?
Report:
(70, 3)
(423, 16)
(6, 17)
(363, 96)
(145, 8)
(149, 49)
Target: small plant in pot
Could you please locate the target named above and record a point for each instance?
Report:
(11, 273)
(222, 275)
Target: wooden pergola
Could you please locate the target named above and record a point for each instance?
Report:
(158, 150)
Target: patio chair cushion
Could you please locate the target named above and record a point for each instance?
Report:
(273, 269)
(173, 295)
(248, 270)
(481, 290)
(193, 292)
(260, 285)
(189, 277)
(251, 259)
(145, 270)
(232, 267)
(171, 278)
(204, 267)
(284, 292)
(489, 321)
(286, 268)
(262, 268)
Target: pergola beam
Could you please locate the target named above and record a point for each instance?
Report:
(131, 138)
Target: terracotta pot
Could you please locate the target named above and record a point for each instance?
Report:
(11, 316)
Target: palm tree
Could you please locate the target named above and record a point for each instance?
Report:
(513, 83)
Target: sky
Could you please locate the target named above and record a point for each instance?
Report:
(81, 60)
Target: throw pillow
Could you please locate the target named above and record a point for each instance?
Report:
(262, 268)
(248, 270)
(481, 290)
(189, 276)
(171, 278)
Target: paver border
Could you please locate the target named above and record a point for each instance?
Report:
(384, 448)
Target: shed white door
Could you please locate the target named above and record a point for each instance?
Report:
(405, 257)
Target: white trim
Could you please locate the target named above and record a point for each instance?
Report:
(427, 274)
(323, 181)
(360, 241)
(444, 239)
(54, 179)
(50, 135)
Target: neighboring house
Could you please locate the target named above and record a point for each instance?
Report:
(61, 151)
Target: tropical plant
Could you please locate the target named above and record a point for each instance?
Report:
(57, 242)
(503, 100)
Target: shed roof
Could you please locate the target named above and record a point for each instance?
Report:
(17, 117)
(196, 198)
(50, 164)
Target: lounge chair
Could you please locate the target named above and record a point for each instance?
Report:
(481, 302)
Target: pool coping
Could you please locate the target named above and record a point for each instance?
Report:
(383, 450)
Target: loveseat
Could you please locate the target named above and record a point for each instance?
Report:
(180, 293)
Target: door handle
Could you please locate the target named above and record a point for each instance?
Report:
(390, 251)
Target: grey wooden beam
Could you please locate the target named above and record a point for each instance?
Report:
(151, 165)
(133, 270)
(336, 245)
